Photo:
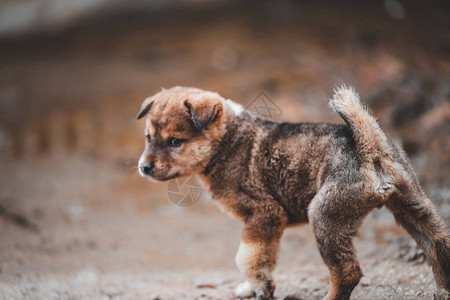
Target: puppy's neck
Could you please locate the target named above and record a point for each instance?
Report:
(217, 130)
(240, 127)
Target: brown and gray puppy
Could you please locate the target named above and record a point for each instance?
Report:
(272, 175)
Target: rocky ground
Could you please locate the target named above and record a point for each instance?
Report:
(77, 222)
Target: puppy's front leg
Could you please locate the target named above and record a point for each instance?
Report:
(256, 258)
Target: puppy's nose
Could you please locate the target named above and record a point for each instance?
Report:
(147, 168)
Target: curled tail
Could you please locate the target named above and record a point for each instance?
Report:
(369, 137)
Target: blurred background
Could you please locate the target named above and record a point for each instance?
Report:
(76, 220)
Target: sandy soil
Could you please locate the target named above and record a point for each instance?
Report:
(87, 249)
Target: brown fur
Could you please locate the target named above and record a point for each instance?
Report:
(272, 175)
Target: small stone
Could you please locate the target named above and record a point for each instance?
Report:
(365, 281)
(304, 287)
(206, 286)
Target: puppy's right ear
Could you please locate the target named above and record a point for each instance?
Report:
(203, 112)
(145, 107)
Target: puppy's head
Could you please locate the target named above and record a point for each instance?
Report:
(182, 125)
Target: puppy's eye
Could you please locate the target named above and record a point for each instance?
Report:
(174, 142)
(148, 138)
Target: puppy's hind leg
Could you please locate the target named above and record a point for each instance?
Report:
(335, 218)
(417, 214)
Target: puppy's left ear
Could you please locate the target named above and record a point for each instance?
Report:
(145, 107)
(203, 112)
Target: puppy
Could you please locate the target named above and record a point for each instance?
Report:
(272, 175)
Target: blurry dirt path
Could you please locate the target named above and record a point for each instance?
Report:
(92, 249)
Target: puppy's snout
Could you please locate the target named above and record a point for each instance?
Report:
(147, 168)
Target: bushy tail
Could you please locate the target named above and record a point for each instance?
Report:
(369, 137)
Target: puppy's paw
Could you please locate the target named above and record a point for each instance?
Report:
(244, 290)
(266, 293)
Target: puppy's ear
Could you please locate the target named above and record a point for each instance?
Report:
(145, 107)
(203, 112)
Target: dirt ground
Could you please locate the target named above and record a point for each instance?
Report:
(76, 220)
(88, 248)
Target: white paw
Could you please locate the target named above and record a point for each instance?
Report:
(244, 290)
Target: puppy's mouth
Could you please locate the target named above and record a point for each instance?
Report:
(157, 178)
(150, 174)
